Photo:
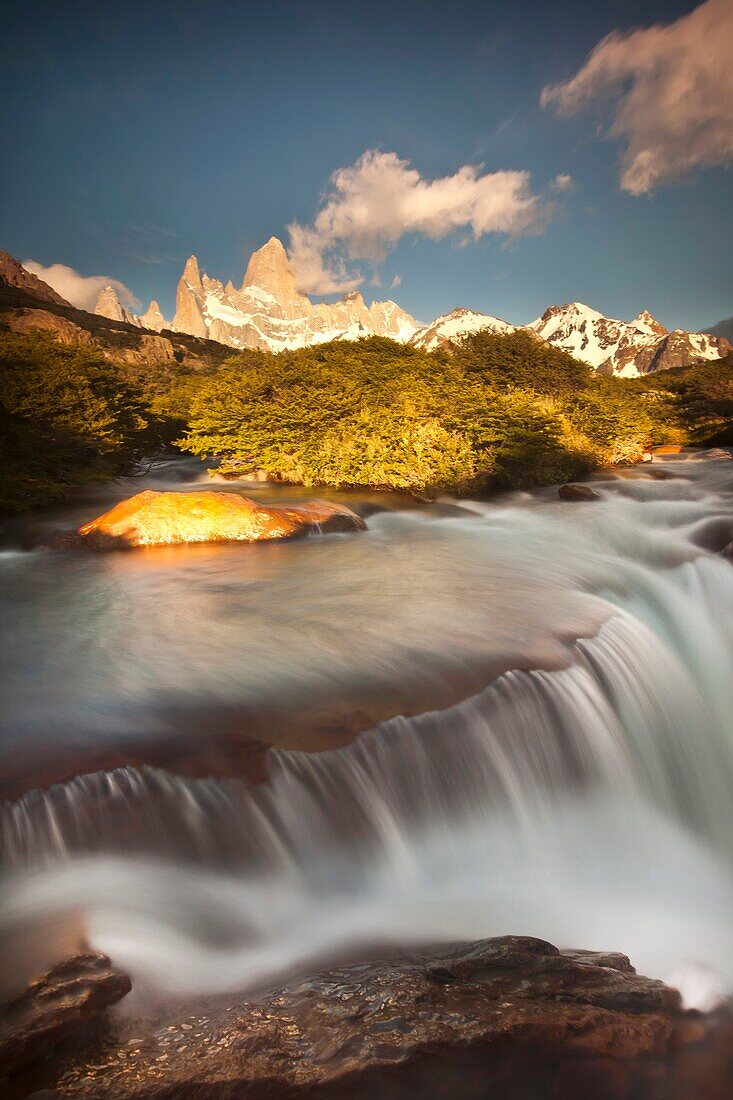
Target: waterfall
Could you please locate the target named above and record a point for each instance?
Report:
(586, 800)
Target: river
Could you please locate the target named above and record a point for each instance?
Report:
(552, 687)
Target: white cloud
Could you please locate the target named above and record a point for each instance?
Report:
(396, 281)
(563, 184)
(370, 205)
(672, 93)
(81, 290)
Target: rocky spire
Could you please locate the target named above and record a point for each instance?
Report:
(153, 317)
(192, 274)
(269, 270)
(109, 305)
(189, 315)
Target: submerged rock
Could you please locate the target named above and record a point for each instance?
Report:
(577, 492)
(66, 1003)
(508, 1017)
(157, 519)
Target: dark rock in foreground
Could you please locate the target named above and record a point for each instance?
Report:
(510, 1018)
(576, 492)
(66, 1003)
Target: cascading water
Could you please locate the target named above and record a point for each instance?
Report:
(584, 795)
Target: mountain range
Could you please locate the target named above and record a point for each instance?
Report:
(269, 312)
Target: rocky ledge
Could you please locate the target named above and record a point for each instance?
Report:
(159, 519)
(64, 1004)
(511, 1018)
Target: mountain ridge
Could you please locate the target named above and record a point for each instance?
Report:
(13, 274)
(269, 312)
(625, 348)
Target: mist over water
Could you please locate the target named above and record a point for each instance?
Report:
(581, 793)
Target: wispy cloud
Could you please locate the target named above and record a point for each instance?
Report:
(671, 94)
(149, 244)
(81, 290)
(370, 205)
(563, 184)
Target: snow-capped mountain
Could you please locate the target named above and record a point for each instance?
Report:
(626, 348)
(453, 326)
(268, 311)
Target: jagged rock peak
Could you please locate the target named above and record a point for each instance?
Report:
(107, 298)
(191, 272)
(268, 267)
(153, 317)
(109, 305)
(648, 323)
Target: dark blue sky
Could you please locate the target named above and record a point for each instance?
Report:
(136, 134)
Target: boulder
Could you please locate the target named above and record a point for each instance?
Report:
(66, 1003)
(507, 1018)
(577, 492)
(156, 519)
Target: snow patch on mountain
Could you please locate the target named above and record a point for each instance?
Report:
(625, 348)
(453, 326)
(269, 312)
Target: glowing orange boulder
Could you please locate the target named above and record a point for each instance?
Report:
(158, 519)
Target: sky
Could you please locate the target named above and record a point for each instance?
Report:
(471, 153)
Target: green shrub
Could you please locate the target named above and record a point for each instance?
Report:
(66, 415)
(379, 414)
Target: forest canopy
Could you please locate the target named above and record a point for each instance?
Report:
(66, 415)
(499, 411)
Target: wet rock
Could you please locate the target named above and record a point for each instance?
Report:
(668, 449)
(508, 1017)
(577, 492)
(157, 519)
(66, 1003)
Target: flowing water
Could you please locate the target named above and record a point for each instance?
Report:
(577, 785)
